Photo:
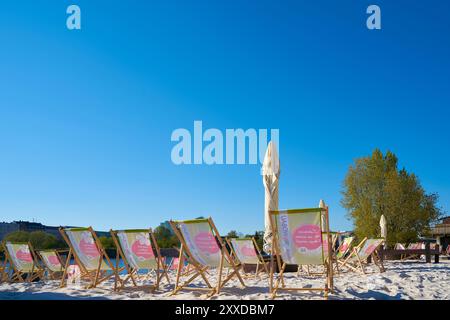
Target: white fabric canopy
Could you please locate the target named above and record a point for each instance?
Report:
(322, 216)
(383, 226)
(271, 174)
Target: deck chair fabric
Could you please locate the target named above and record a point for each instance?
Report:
(400, 246)
(298, 239)
(334, 238)
(357, 260)
(344, 247)
(52, 263)
(247, 253)
(89, 254)
(135, 248)
(204, 249)
(2, 267)
(22, 263)
(309, 271)
(342, 251)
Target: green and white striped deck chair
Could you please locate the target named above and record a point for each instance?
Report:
(135, 247)
(52, 263)
(89, 254)
(204, 249)
(298, 240)
(357, 259)
(246, 251)
(21, 262)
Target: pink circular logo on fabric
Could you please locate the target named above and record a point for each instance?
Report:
(308, 236)
(24, 255)
(370, 248)
(343, 248)
(142, 250)
(248, 251)
(89, 248)
(206, 242)
(175, 263)
(53, 260)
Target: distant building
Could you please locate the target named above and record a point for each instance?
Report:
(441, 232)
(8, 227)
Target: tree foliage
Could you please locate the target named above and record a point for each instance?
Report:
(259, 238)
(165, 237)
(374, 186)
(232, 234)
(107, 242)
(40, 240)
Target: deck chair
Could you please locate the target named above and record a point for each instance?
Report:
(204, 249)
(174, 263)
(357, 259)
(52, 263)
(246, 252)
(342, 251)
(2, 267)
(414, 246)
(186, 267)
(23, 266)
(89, 254)
(135, 248)
(309, 272)
(400, 246)
(298, 239)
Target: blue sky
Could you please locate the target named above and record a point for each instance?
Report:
(86, 116)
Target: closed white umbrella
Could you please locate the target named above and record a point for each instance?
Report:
(383, 227)
(324, 221)
(271, 174)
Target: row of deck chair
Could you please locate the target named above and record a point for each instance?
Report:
(301, 237)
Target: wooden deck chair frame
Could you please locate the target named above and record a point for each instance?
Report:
(415, 245)
(359, 263)
(338, 260)
(185, 269)
(202, 270)
(334, 237)
(279, 283)
(132, 273)
(50, 274)
(95, 277)
(258, 254)
(16, 274)
(396, 247)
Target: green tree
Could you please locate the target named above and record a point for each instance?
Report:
(232, 234)
(18, 236)
(107, 242)
(259, 238)
(39, 239)
(165, 237)
(374, 186)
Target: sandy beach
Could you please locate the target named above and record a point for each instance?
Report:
(402, 281)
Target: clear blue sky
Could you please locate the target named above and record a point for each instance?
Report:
(86, 116)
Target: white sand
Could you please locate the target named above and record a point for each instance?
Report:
(402, 280)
